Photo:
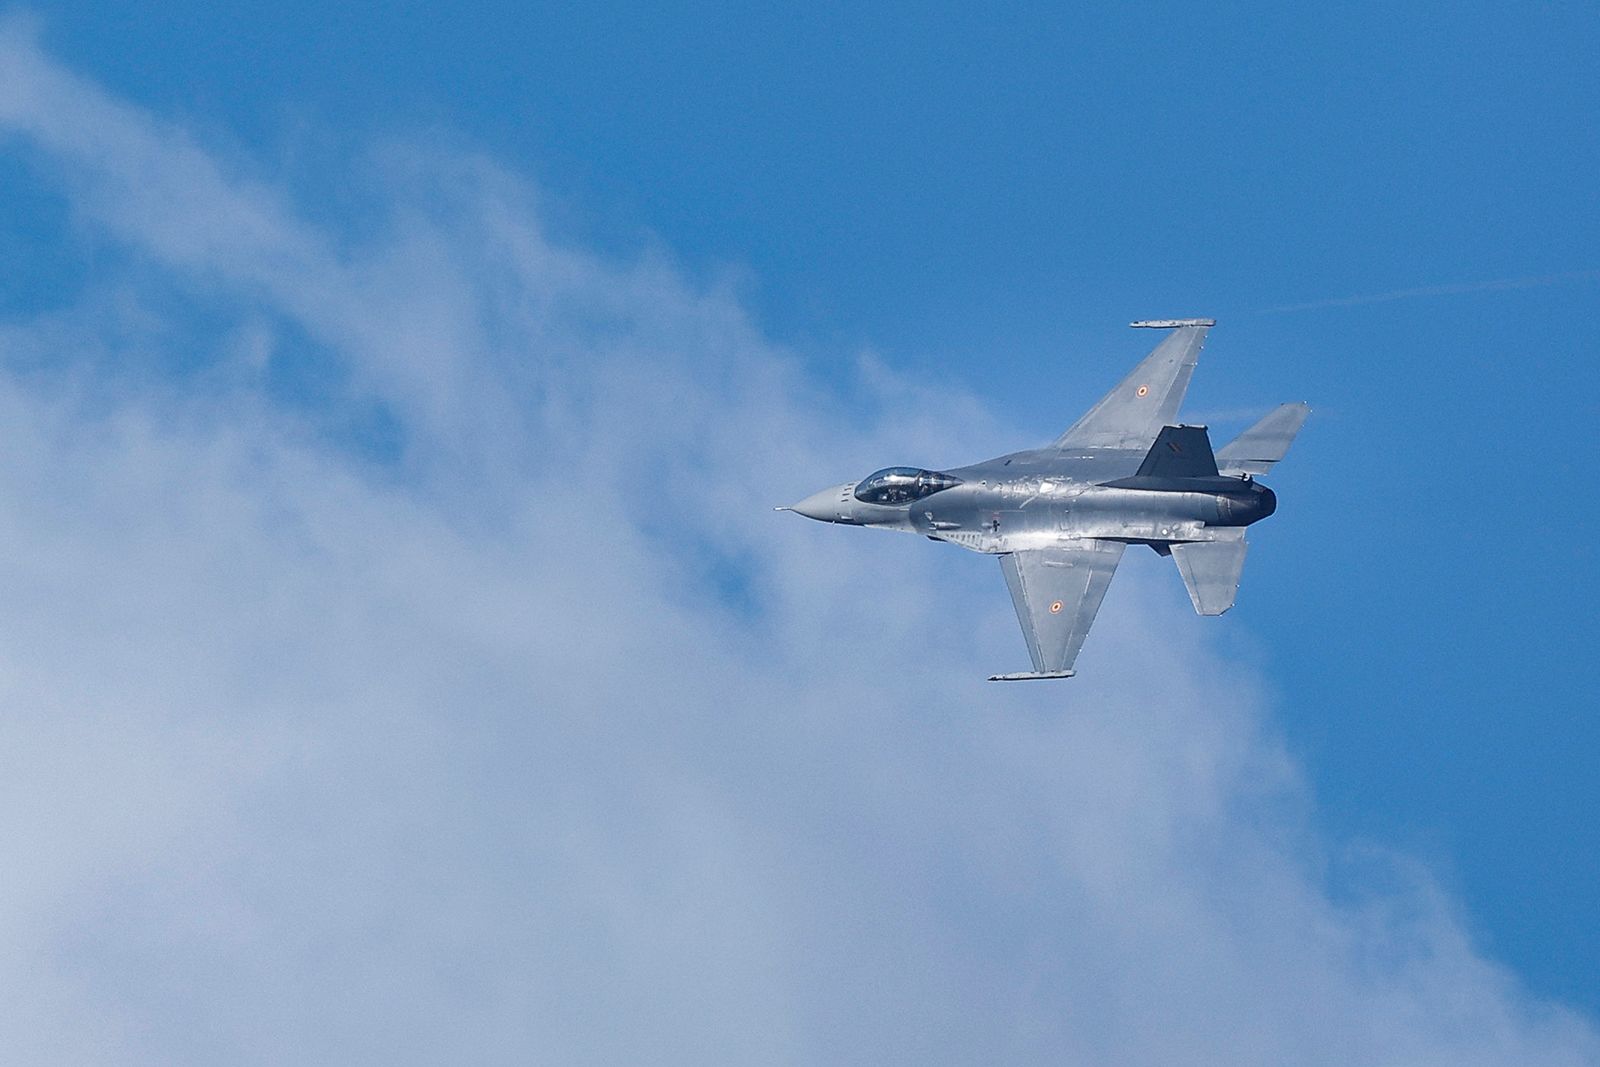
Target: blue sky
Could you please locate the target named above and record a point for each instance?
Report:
(974, 203)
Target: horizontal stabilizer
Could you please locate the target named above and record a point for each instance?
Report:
(1262, 445)
(1211, 571)
(1180, 452)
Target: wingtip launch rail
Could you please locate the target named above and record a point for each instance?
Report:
(1031, 676)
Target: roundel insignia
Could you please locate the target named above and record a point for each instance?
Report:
(1055, 609)
(1143, 390)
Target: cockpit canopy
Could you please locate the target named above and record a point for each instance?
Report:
(900, 485)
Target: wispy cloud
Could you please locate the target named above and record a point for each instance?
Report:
(456, 754)
(1532, 282)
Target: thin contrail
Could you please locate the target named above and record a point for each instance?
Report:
(1441, 290)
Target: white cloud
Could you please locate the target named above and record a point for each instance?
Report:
(457, 751)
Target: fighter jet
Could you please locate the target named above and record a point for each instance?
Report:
(1059, 517)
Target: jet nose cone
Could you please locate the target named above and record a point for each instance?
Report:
(829, 505)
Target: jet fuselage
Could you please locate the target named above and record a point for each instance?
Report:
(1039, 498)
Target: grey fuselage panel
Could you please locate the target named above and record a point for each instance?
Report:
(1045, 497)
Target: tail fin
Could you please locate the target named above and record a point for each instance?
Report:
(1180, 452)
(1211, 570)
(1262, 445)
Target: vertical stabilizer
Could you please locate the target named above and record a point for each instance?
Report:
(1180, 452)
